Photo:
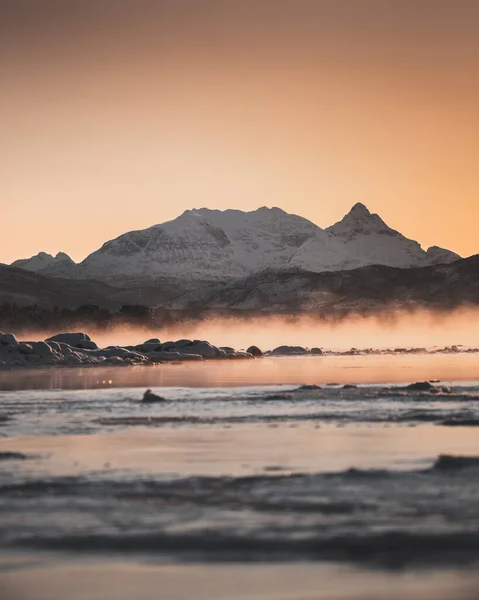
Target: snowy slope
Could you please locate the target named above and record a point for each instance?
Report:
(205, 244)
(369, 241)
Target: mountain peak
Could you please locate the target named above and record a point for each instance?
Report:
(63, 256)
(438, 256)
(360, 210)
(42, 261)
(359, 220)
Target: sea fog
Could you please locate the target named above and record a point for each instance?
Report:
(388, 329)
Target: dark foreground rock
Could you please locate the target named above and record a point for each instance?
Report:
(255, 351)
(13, 456)
(420, 386)
(150, 398)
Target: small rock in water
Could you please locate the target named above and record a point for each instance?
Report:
(420, 386)
(349, 386)
(12, 456)
(149, 396)
(309, 387)
(255, 351)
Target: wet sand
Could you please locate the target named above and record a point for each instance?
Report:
(147, 581)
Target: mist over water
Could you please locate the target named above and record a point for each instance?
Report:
(389, 329)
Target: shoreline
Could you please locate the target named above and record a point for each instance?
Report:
(172, 358)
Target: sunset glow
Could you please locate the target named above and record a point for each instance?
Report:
(115, 118)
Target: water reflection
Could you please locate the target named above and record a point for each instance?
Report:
(267, 371)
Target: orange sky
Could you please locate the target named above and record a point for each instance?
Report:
(117, 115)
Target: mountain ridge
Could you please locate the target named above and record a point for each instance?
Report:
(368, 289)
(209, 245)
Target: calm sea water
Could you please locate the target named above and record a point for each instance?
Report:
(247, 482)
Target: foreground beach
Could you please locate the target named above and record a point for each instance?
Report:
(255, 479)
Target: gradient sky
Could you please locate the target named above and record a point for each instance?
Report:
(117, 115)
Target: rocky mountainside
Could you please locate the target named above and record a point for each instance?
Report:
(366, 289)
(209, 245)
(441, 256)
(26, 288)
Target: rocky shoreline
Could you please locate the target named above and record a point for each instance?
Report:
(78, 349)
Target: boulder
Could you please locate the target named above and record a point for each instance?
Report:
(421, 386)
(152, 341)
(42, 349)
(8, 339)
(289, 351)
(228, 350)
(87, 345)
(72, 339)
(183, 343)
(25, 348)
(204, 349)
(316, 351)
(255, 351)
(57, 346)
(148, 347)
(167, 346)
(65, 349)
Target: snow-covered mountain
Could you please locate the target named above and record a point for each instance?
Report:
(46, 263)
(211, 245)
(369, 241)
